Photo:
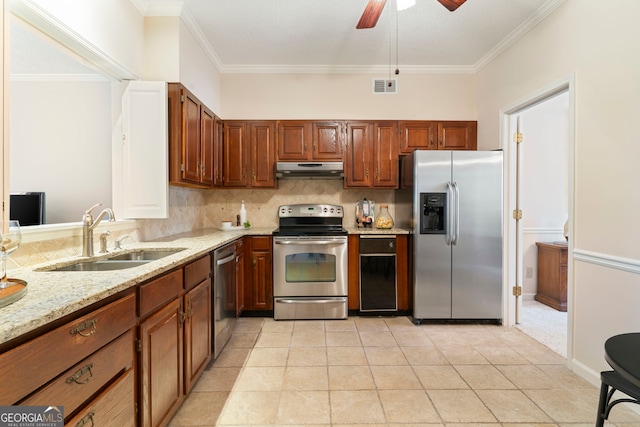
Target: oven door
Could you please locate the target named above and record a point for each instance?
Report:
(305, 266)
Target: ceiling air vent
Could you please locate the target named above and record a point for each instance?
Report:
(385, 86)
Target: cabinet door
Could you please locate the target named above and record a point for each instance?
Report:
(236, 156)
(327, 140)
(385, 155)
(259, 285)
(190, 137)
(207, 146)
(417, 135)
(294, 140)
(457, 135)
(161, 365)
(218, 152)
(144, 179)
(263, 160)
(241, 265)
(197, 332)
(358, 166)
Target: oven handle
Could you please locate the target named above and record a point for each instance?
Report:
(310, 301)
(309, 242)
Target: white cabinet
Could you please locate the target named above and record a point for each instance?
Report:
(142, 182)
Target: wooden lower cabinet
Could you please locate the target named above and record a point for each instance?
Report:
(67, 365)
(552, 275)
(161, 365)
(258, 286)
(174, 340)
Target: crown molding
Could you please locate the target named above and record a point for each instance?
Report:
(343, 69)
(544, 11)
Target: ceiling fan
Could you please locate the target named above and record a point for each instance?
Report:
(374, 8)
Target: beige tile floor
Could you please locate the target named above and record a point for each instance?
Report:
(389, 372)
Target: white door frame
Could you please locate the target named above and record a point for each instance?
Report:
(506, 136)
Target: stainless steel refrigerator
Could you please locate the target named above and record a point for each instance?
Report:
(453, 202)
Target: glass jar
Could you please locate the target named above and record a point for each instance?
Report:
(384, 220)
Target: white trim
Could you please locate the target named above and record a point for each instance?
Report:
(58, 78)
(567, 84)
(533, 230)
(610, 261)
(40, 18)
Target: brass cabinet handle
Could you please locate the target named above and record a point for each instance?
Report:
(75, 378)
(85, 420)
(89, 324)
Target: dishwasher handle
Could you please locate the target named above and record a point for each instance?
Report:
(227, 259)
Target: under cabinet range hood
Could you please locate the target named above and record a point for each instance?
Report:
(309, 170)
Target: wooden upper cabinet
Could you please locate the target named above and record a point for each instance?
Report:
(207, 146)
(218, 152)
(417, 135)
(358, 168)
(263, 153)
(434, 135)
(385, 154)
(192, 133)
(309, 140)
(236, 155)
(294, 139)
(327, 140)
(457, 135)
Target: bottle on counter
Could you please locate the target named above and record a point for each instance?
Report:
(384, 220)
(243, 214)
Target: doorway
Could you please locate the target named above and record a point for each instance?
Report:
(538, 175)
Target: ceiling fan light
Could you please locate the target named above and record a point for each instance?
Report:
(405, 4)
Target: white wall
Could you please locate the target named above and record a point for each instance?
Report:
(593, 41)
(544, 172)
(61, 136)
(347, 96)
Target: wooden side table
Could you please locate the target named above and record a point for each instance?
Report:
(552, 275)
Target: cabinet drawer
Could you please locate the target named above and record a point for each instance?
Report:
(78, 384)
(113, 407)
(197, 272)
(160, 291)
(261, 243)
(29, 366)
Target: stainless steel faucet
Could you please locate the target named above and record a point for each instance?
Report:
(88, 224)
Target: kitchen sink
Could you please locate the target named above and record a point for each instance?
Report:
(101, 265)
(145, 254)
(119, 261)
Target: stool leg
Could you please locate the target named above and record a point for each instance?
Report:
(602, 404)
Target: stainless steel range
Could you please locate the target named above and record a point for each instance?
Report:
(310, 263)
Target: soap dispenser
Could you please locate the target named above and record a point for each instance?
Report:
(243, 214)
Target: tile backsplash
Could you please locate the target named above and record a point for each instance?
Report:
(194, 209)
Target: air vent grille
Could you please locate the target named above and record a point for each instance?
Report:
(385, 86)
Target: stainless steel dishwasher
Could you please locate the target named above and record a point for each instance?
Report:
(378, 288)
(224, 296)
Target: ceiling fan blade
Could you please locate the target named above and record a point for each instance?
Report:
(451, 4)
(371, 14)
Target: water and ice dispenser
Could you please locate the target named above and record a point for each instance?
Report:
(433, 214)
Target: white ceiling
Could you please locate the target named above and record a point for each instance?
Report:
(321, 35)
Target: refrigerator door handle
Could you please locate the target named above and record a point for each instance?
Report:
(456, 214)
(449, 236)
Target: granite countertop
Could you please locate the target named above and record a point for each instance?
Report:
(52, 295)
